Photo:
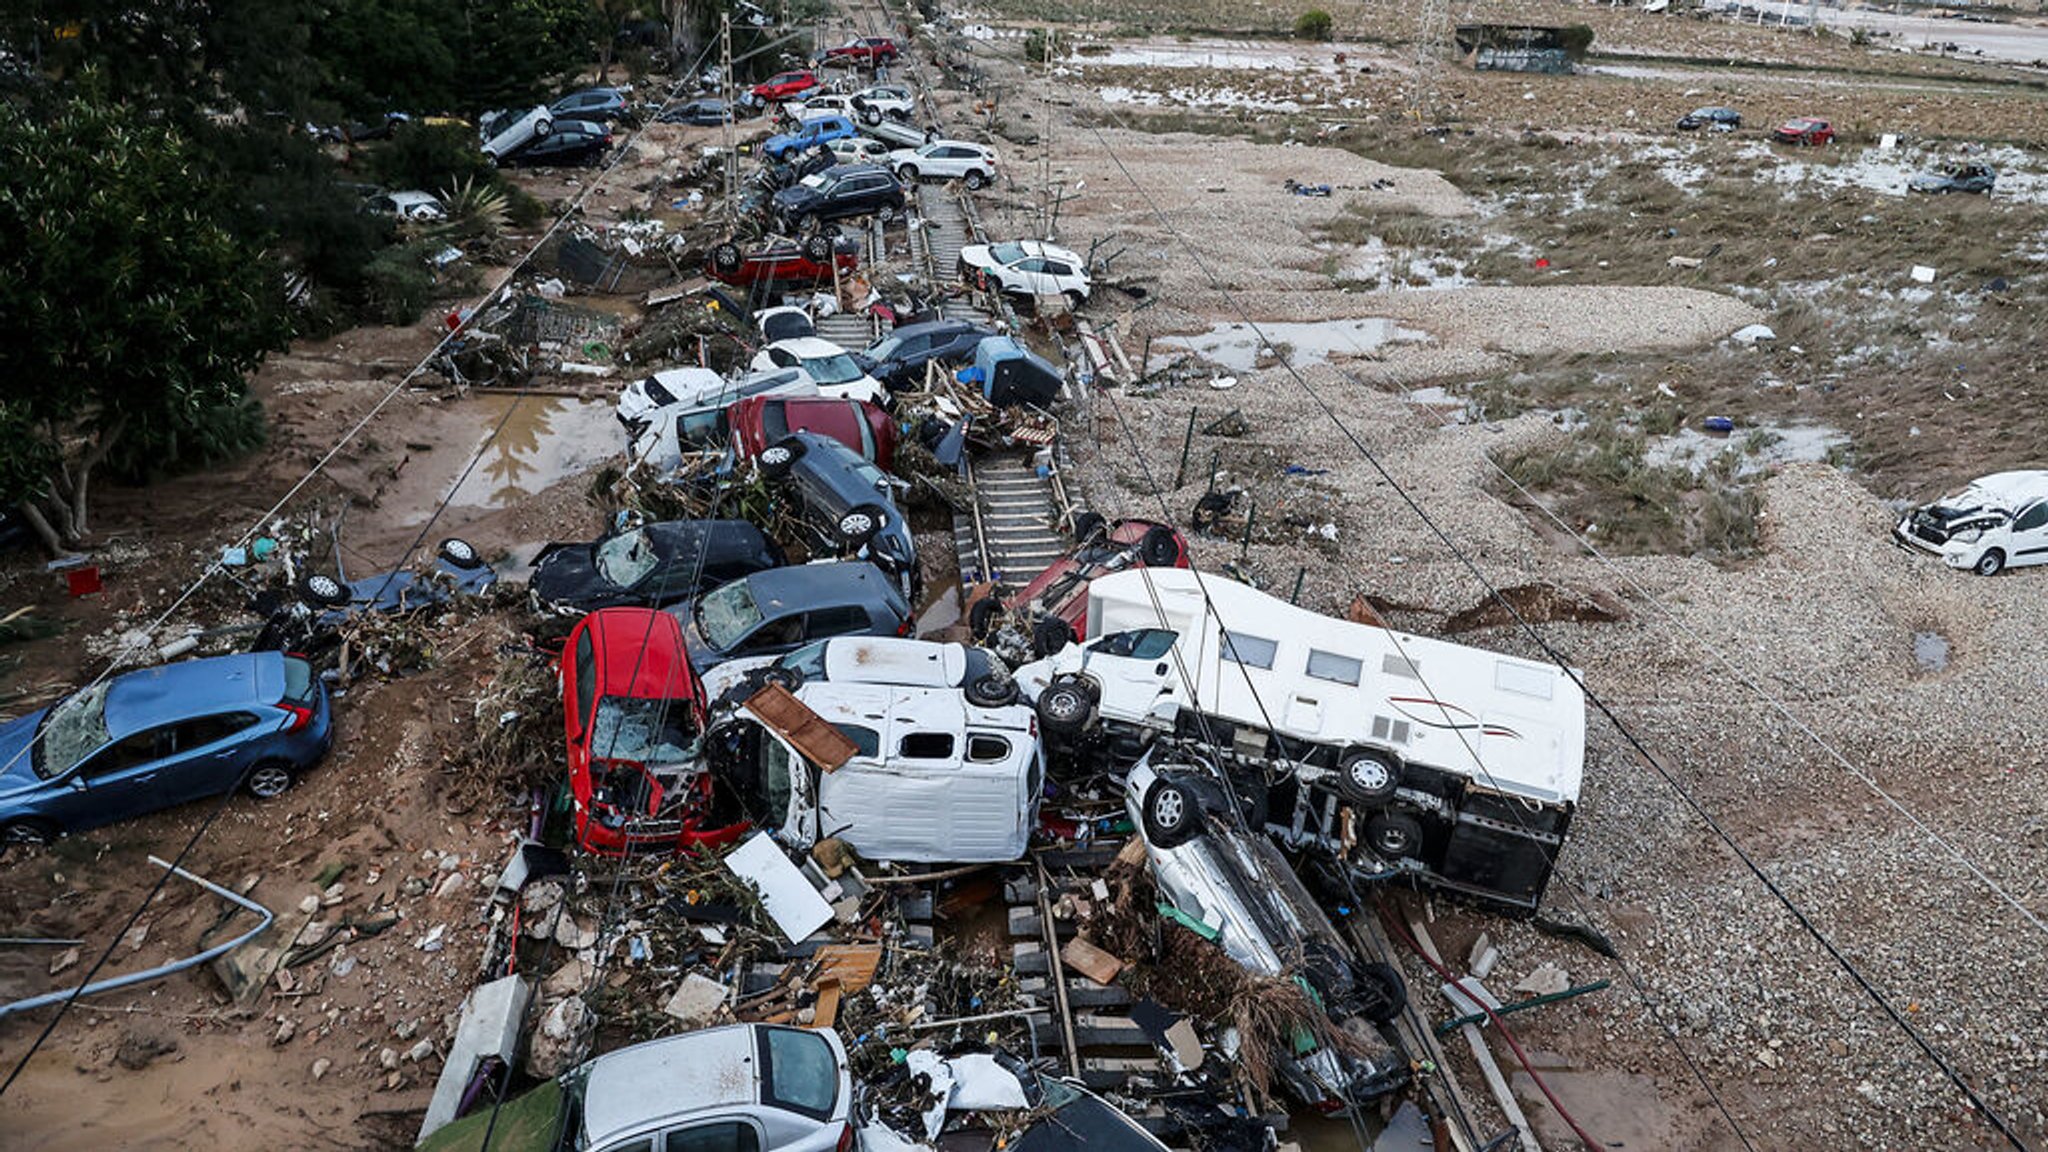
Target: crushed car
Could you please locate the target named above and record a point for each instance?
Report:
(702, 423)
(1997, 522)
(1715, 119)
(812, 260)
(1968, 176)
(648, 566)
(775, 610)
(1051, 611)
(847, 503)
(1809, 131)
(895, 660)
(308, 617)
(1026, 269)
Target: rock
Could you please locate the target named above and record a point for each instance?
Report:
(342, 964)
(567, 980)
(431, 942)
(334, 894)
(449, 886)
(558, 1042)
(449, 862)
(138, 1049)
(1752, 333)
(540, 896)
(136, 936)
(696, 1000)
(574, 934)
(321, 1066)
(388, 1058)
(286, 1029)
(420, 1051)
(309, 905)
(1548, 979)
(69, 958)
(413, 886)
(406, 1029)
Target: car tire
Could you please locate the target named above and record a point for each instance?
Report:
(907, 173)
(871, 116)
(269, 780)
(1066, 706)
(1368, 777)
(1050, 636)
(1074, 300)
(1382, 994)
(25, 834)
(984, 616)
(818, 249)
(460, 553)
(976, 181)
(1394, 836)
(727, 257)
(862, 523)
(1172, 814)
(1991, 563)
(778, 458)
(1087, 525)
(991, 691)
(544, 128)
(788, 679)
(885, 213)
(322, 591)
(1159, 547)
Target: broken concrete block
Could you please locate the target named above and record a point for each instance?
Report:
(697, 1000)
(1547, 980)
(491, 1023)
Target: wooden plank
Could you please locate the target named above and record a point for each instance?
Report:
(1488, 1066)
(806, 731)
(1091, 961)
(827, 1013)
(849, 966)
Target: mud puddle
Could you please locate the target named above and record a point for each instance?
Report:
(1930, 651)
(1758, 450)
(539, 441)
(1238, 347)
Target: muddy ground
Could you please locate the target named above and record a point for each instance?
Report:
(1511, 275)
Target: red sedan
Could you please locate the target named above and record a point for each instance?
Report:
(636, 717)
(1053, 609)
(867, 50)
(781, 262)
(1810, 131)
(764, 420)
(784, 86)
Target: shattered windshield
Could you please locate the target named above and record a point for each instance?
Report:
(74, 730)
(1007, 253)
(838, 368)
(627, 558)
(651, 732)
(726, 615)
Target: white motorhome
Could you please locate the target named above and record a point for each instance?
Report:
(932, 776)
(1461, 761)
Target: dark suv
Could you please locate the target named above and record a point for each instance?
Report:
(847, 503)
(840, 193)
(899, 361)
(781, 609)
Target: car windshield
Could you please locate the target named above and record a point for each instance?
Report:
(809, 660)
(803, 1073)
(652, 732)
(837, 368)
(74, 730)
(726, 615)
(1007, 253)
(627, 558)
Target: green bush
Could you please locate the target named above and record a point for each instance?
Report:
(431, 157)
(398, 284)
(1577, 38)
(1314, 24)
(1038, 46)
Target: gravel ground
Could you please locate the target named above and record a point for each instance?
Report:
(1824, 621)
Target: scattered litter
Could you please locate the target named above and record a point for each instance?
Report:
(1752, 334)
(1922, 274)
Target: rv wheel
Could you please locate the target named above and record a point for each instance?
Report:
(1173, 814)
(992, 691)
(1368, 777)
(1158, 548)
(1050, 636)
(1065, 707)
(1382, 994)
(1394, 836)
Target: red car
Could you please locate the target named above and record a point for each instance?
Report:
(782, 262)
(1053, 609)
(784, 85)
(1807, 130)
(867, 49)
(635, 718)
(763, 420)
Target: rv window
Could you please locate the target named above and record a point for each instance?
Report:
(1330, 666)
(926, 746)
(1251, 651)
(866, 741)
(987, 749)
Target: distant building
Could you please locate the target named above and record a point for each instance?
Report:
(1522, 47)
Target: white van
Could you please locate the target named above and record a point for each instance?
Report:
(1463, 762)
(893, 660)
(1998, 522)
(933, 778)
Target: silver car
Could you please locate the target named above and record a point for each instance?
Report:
(747, 1086)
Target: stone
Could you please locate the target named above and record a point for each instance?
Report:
(450, 886)
(697, 1000)
(420, 1051)
(69, 958)
(286, 1029)
(309, 905)
(540, 896)
(321, 1066)
(567, 980)
(557, 1043)
(1548, 979)
(574, 934)
(388, 1058)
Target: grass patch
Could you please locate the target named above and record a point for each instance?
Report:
(1598, 480)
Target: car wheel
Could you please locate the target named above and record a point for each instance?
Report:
(1066, 706)
(885, 213)
(871, 116)
(1159, 547)
(992, 691)
(1087, 525)
(788, 679)
(269, 780)
(976, 181)
(1382, 994)
(1172, 814)
(818, 249)
(1074, 300)
(544, 128)
(727, 257)
(984, 616)
(322, 591)
(907, 173)
(778, 458)
(1991, 563)
(861, 524)
(460, 553)
(25, 833)
(1050, 636)
(1368, 777)
(1393, 835)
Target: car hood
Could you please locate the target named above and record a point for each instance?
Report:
(567, 573)
(795, 195)
(17, 773)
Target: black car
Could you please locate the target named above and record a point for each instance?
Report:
(840, 193)
(848, 503)
(709, 111)
(651, 566)
(1713, 119)
(899, 361)
(772, 612)
(572, 142)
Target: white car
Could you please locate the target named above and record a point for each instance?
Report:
(1026, 268)
(895, 660)
(947, 160)
(504, 134)
(895, 132)
(1998, 522)
(834, 370)
(858, 150)
(882, 101)
(421, 206)
(685, 386)
(697, 423)
(821, 104)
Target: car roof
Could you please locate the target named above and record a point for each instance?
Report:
(172, 692)
(799, 586)
(893, 708)
(1041, 248)
(2011, 489)
(413, 197)
(640, 653)
(807, 347)
(894, 660)
(667, 1079)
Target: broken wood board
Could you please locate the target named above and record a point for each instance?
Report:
(1091, 961)
(827, 1012)
(805, 730)
(850, 966)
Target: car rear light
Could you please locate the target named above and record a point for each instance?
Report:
(903, 629)
(845, 1139)
(1330, 1106)
(301, 716)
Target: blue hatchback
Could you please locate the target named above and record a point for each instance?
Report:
(161, 736)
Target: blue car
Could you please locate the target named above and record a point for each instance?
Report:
(147, 740)
(814, 133)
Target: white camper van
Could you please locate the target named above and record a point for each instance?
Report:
(1460, 761)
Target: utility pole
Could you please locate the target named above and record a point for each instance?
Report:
(1045, 202)
(1432, 25)
(728, 163)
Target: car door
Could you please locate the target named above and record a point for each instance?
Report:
(206, 756)
(114, 783)
(1134, 670)
(1059, 276)
(2030, 535)
(838, 620)
(720, 1134)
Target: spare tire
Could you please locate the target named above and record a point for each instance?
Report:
(1160, 547)
(1086, 525)
(727, 257)
(1172, 814)
(459, 552)
(1050, 636)
(991, 691)
(862, 524)
(1394, 836)
(870, 115)
(321, 590)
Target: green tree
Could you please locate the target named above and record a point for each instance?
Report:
(1314, 24)
(130, 311)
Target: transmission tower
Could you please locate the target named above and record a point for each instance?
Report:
(1432, 31)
